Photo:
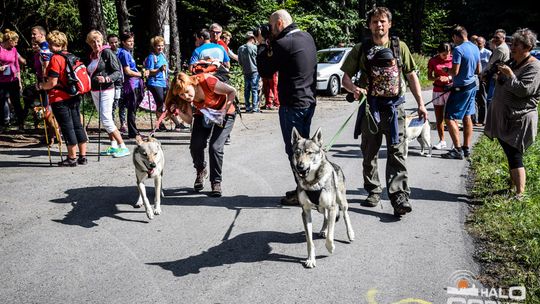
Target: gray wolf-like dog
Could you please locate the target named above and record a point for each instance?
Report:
(321, 185)
(420, 130)
(149, 161)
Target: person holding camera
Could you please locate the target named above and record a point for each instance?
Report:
(158, 75)
(513, 116)
(461, 103)
(292, 53)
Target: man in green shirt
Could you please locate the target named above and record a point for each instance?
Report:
(385, 106)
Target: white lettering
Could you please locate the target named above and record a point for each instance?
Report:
(484, 292)
(456, 301)
(493, 293)
(521, 291)
(501, 294)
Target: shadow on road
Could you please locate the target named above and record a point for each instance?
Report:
(251, 247)
(93, 203)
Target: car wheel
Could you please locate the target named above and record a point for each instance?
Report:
(333, 86)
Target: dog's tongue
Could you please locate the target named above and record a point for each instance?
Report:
(150, 171)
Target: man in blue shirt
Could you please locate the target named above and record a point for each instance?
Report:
(461, 102)
(208, 51)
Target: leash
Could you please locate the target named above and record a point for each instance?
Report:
(45, 126)
(338, 133)
(431, 101)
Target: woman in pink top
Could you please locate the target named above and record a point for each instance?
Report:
(10, 78)
(437, 72)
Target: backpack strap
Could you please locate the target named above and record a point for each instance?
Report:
(394, 44)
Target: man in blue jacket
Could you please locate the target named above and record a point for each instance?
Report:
(292, 53)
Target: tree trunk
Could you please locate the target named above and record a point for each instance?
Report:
(92, 16)
(159, 17)
(123, 16)
(417, 24)
(175, 57)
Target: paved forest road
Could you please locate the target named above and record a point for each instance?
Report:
(71, 235)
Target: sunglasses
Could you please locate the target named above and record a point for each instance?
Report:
(216, 32)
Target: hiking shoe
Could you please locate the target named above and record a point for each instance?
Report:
(441, 145)
(372, 200)
(181, 127)
(68, 162)
(290, 199)
(199, 180)
(82, 160)
(466, 151)
(401, 205)
(110, 151)
(121, 152)
(453, 154)
(216, 190)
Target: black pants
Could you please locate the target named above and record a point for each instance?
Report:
(159, 94)
(514, 156)
(68, 116)
(13, 90)
(199, 138)
(132, 102)
(481, 103)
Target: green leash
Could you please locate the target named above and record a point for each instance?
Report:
(333, 140)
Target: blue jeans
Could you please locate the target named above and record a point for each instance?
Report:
(297, 118)
(251, 88)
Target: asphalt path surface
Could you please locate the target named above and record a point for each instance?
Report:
(72, 235)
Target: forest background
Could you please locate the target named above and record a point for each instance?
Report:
(421, 23)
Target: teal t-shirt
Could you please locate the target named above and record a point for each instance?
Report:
(153, 62)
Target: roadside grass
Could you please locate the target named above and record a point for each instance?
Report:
(422, 61)
(507, 230)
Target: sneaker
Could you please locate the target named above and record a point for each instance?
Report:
(199, 180)
(453, 154)
(441, 145)
(216, 190)
(123, 129)
(372, 200)
(121, 152)
(466, 151)
(82, 160)
(401, 205)
(110, 151)
(228, 141)
(181, 127)
(68, 162)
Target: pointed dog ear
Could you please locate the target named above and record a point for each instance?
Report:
(317, 138)
(138, 140)
(295, 136)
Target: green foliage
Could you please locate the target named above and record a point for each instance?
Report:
(109, 11)
(435, 27)
(422, 61)
(509, 229)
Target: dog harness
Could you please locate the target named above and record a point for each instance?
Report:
(314, 196)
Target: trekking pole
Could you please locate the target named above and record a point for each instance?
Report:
(99, 125)
(145, 80)
(45, 127)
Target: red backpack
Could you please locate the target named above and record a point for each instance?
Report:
(78, 80)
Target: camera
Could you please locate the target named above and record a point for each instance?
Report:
(264, 30)
(494, 69)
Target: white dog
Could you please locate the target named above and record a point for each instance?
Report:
(149, 161)
(420, 130)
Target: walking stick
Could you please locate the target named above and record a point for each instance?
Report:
(45, 126)
(99, 125)
(145, 80)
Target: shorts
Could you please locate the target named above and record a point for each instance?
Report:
(460, 104)
(440, 98)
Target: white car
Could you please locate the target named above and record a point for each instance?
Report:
(329, 73)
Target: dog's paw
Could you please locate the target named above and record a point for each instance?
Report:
(157, 211)
(351, 236)
(427, 155)
(150, 214)
(138, 204)
(310, 263)
(322, 233)
(330, 246)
